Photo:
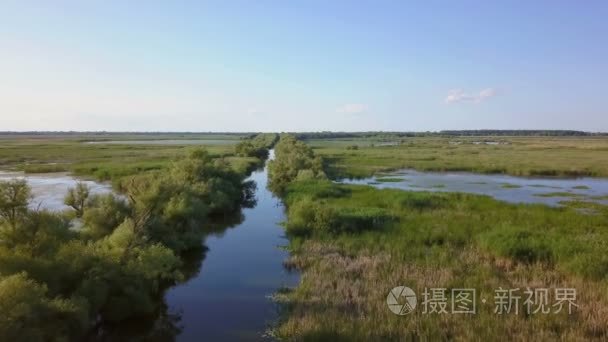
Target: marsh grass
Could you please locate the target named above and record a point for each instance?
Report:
(450, 240)
(520, 156)
(544, 186)
(390, 179)
(71, 153)
(559, 194)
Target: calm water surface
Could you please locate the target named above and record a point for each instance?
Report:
(502, 187)
(49, 189)
(228, 299)
(226, 296)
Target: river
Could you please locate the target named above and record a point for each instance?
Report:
(228, 299)
(229, 280)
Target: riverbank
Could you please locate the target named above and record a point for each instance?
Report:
(354, 243)
(229, 299)
(61, 283)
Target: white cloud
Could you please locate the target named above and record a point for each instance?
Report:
(458, 95)
(352, 108)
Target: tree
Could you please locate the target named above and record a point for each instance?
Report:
(28, 314)
(103, 213)
(77, 197)
(293, 158)
(14, 198)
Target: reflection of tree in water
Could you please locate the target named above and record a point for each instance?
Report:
(159, 326)
(163, 325)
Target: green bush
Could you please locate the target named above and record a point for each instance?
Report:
(293, 160)
(422, 201)
(307, 216)
(257, 146)
(316, 189)
(56, 282)
(102, 214)
(29, 314)
(520, 244)
(357, 219)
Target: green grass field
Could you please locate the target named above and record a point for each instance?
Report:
(35, 153)
(354, 243)
(441, 241)
(520, 156)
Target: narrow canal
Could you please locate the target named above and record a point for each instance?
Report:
(228, 300)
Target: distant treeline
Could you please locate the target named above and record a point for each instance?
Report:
(482, 132)
(256, 145)
(120, 132)
(517, 132)
(322, 135)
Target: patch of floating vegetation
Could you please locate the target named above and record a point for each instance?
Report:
(438, 186)
(585, 207)
(558, 194)
(390, 179)
(600, 198)
(510, 186)
(373, 183)
(387, 173)
(587, 211)
(581, 187)
(477, 183)
(544, 186)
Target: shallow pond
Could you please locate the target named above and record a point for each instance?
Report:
(49, 189)
(549, 191)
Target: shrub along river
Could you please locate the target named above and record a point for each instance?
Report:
(225, 296)
(229, 281)
(228, 299)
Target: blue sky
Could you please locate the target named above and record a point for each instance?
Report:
(303, 65)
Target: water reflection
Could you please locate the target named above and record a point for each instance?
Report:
(228, 299)
(165, 324)
(49, 189)
(225, 296)
(513, 189)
